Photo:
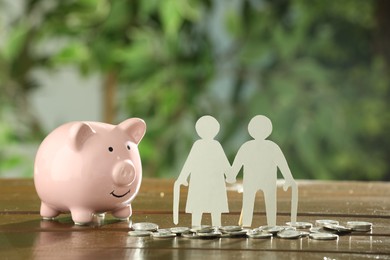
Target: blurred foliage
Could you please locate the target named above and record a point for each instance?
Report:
(311, 66)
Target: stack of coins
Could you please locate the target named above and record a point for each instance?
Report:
(319, 226)
(233, 231)
(337, 228)
(300, 225)
(323, 222)
(190, 234)
(202, 229)
(334, 228)
(202, 232)
(257, 233)
(163, 233)
(272, 229)
(179, 230)
(327, 229)
(321, 230)
(359, 226)
(143, 229)
(291, 234)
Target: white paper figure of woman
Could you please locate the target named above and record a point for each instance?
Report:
(206, 166)
(260, 159)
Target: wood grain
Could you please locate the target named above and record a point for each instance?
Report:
(23, 235)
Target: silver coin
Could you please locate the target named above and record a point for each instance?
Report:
(360, 226)
(139, 233)
(230, 228)
(271, 229)
(144, 226)
(361, 229)
(300, 225)
(202, 229)
(323, 236)
(321, 230)
(357, 229)
(164, 231)
(179, 230)
(304, 233)
(238, 233)
(289, 228)
(289, 234)
(255, 231)
(316, 229)
(163, 235)
(258, 235)
(214, 234)
(189, 234)
(323, 222)
(338, 228)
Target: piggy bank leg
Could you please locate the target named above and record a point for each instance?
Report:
(48, 212)
(122, 213)
(81, 216)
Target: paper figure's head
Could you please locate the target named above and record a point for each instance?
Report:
(260, 127)
(207, 127)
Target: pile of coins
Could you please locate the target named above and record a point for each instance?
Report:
(323, 230)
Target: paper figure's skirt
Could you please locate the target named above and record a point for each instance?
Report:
(211, 198)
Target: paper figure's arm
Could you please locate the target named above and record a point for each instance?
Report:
(224, 162)
(187, 168)
(185, 172)
(236, 167)
(281, 162)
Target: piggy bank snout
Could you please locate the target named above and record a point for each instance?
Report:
(124, 173)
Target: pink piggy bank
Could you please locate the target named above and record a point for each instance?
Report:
(89, 168)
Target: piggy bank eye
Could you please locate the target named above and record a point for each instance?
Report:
(128, 147)
(110, 149)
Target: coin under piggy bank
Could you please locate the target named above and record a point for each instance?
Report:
(88, 168)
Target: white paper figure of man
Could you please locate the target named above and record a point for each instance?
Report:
(260, 159)
(206, 165)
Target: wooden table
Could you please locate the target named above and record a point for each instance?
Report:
(23, 235)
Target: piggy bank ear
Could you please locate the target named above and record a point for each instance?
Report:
(135, 128)
(79, 133)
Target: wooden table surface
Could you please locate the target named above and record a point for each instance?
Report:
(23, 235)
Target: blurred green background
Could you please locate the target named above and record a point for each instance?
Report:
(318, 69)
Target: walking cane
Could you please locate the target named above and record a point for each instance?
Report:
(240, 219)
(176, 198)
(294, 203)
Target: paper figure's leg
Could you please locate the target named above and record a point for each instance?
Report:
(270, 206)
(248, 203)
(196, 219)
(216, 219)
